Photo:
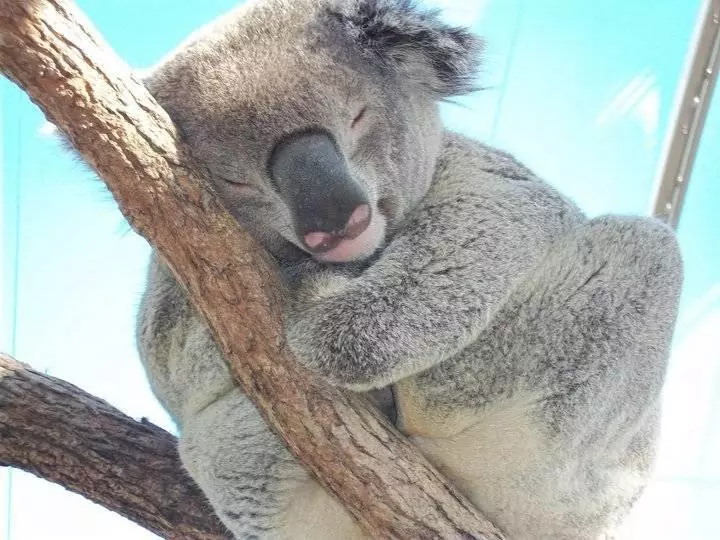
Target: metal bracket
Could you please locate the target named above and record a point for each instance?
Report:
(691, 109)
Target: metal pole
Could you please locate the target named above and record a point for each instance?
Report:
(691, 109)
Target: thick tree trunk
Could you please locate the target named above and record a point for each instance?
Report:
(53, 53)
(58, 432)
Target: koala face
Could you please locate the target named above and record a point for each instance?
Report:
(317, 120)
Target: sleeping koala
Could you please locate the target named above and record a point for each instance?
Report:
(523, 344)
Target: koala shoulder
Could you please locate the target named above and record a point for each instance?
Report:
(484, 182)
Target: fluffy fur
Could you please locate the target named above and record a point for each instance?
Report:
(524, 345)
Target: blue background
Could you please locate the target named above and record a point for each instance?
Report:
(581, 91)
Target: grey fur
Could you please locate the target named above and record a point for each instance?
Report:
(525, 345)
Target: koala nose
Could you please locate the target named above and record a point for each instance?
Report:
(327, 204)
(357, 224)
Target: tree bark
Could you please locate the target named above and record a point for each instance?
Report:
(49, 49)
(58, 432)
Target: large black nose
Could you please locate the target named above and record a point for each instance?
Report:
(312, 177)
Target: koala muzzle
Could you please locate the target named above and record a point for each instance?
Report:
(328, 205)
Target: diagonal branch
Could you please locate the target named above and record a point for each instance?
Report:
(49, 49)
(58, 432)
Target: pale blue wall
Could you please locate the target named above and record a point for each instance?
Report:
(579, 90)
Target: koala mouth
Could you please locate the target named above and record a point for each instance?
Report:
(358, 240)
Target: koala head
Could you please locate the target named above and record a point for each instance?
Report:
(318, 120)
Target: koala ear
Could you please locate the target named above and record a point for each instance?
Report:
(415, 43)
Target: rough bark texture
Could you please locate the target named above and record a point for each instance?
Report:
(54, 54)
(58, 432)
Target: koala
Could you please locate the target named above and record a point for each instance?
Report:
(518, 344)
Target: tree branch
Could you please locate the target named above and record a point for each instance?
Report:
(50, 50)
(58, 432)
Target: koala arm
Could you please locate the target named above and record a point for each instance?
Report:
(433, 288)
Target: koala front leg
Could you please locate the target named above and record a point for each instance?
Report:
(432, 289)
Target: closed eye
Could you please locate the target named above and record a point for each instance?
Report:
(240, 186)
(358, 118)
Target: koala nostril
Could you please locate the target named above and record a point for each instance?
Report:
(359, 221)
(315, 240)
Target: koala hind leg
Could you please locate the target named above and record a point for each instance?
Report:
(555, 406)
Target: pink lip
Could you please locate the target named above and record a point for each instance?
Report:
(360, 247)
(358, 222)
